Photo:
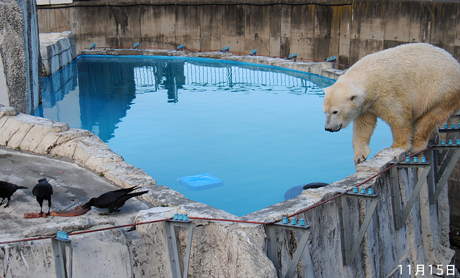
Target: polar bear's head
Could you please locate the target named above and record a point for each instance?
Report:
(343, 102)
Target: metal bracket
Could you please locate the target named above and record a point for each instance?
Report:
(272, 251)
(443, 160)
(349, 252)
(400, 214)
(62, 250)
(178, 268)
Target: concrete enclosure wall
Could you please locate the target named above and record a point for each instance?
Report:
(231, 249)
(19, 55)
(346, 29)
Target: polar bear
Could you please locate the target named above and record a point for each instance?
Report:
(413, 87)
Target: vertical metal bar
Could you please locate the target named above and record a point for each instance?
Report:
(346, 229)
(189, 248)
(172, 247)
(396, 194)
(437, 155)
(271, 247)
(61, 261)
(70, 259)
(430, 156)
(342, 232)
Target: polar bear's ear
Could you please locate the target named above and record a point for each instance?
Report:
(352, 98)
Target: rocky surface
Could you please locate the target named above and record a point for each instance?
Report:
(19, 55)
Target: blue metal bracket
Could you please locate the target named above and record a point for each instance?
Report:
(62, 250)
(273, 255)
(136, 46)
(400, 214)
(293, 56)
(178, 268)
(332, 59)
(254, 52)
(92, 47)
(349, 251)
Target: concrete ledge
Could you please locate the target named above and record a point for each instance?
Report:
(57, 50)
(319, 68)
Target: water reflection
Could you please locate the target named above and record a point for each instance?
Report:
(258, 129)
(95, 92)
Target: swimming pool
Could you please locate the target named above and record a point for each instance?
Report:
(258, 129)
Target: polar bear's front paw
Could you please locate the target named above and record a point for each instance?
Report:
(360, 159)
(361, 155)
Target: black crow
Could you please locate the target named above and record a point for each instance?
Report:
(7, 190)
(43, 191)
(113, 200)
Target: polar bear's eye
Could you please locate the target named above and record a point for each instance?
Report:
(334, 112)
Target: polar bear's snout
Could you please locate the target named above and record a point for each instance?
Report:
(333, 129)
(333, 124)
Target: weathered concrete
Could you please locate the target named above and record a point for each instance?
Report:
(124, 254)
(57, 50)
(422, 240)
(19, 55)
(320, 68)
(219, 249)
(314, 30)
(73, 185)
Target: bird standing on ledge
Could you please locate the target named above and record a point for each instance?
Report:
(43, 191)
(7, 190)
(113, 200)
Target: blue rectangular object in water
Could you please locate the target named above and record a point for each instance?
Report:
(200, 181)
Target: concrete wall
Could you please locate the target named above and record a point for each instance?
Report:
(227, 249)
(346, 29)
(19, 55)
(56, 50)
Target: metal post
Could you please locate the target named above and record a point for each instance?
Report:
(431, 178)
(62, 250)
(396, 196)
(178, 268)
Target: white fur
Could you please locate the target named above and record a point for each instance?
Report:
(412, 87)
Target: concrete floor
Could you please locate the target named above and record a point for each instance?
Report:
(72, 184)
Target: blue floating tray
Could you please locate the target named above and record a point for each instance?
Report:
(200, 181)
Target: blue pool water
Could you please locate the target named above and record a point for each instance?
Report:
(257, 129)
